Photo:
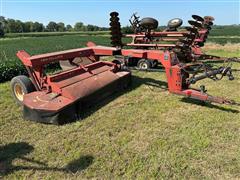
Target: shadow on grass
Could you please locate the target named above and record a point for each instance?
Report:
(152, 83)
(135, 83)
(206, 104)
(13, 151)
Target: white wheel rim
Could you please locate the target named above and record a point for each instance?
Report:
(175, 21)
(18, 91)
(143, 66)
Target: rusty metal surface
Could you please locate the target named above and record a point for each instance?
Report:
(74, 88)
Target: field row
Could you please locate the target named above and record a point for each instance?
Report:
(45, 34)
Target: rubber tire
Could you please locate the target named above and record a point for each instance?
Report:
(26, 85)
(172, 24)
(155, 63)
(119, 63)
(146, 62)
(149, 23)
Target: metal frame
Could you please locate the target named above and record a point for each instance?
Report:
(176, 76)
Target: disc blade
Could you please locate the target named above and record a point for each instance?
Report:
(210, 23)
(189, 36)
(195, 23)
(197, 18)
(209, 18)
(201, 44)
(185, 41)
(191, 29)
(181, 45)
(114, 14)
(177, 49)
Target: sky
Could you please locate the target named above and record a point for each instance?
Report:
(96, 12)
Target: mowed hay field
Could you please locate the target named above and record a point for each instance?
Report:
(143, 132)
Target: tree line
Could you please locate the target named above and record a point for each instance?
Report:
(17, 26)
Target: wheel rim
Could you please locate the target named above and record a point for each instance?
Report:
(18, 91)
(143, 66)
(175, 21)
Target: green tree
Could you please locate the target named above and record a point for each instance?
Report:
(14, 26)
(69, 27)
(37, 27)
(52, 26)
(2, 26)
(19, 26)
(1, 32)
(79, 26)
(27, 26)
(90, 27)
(61, 27)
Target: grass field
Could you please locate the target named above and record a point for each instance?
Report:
(36, 45)
(144, 132)
(10, 64)
(46, 34)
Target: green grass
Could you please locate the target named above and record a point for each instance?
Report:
(44, 34)
(37, 45)
(224, 39)
(144, 133)
(232, 30)
(223, 53)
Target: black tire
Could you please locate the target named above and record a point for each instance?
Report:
(120, 63)
(175, 23)
(21, 85)
(144, 64)
(154, 64)
(149, 23)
